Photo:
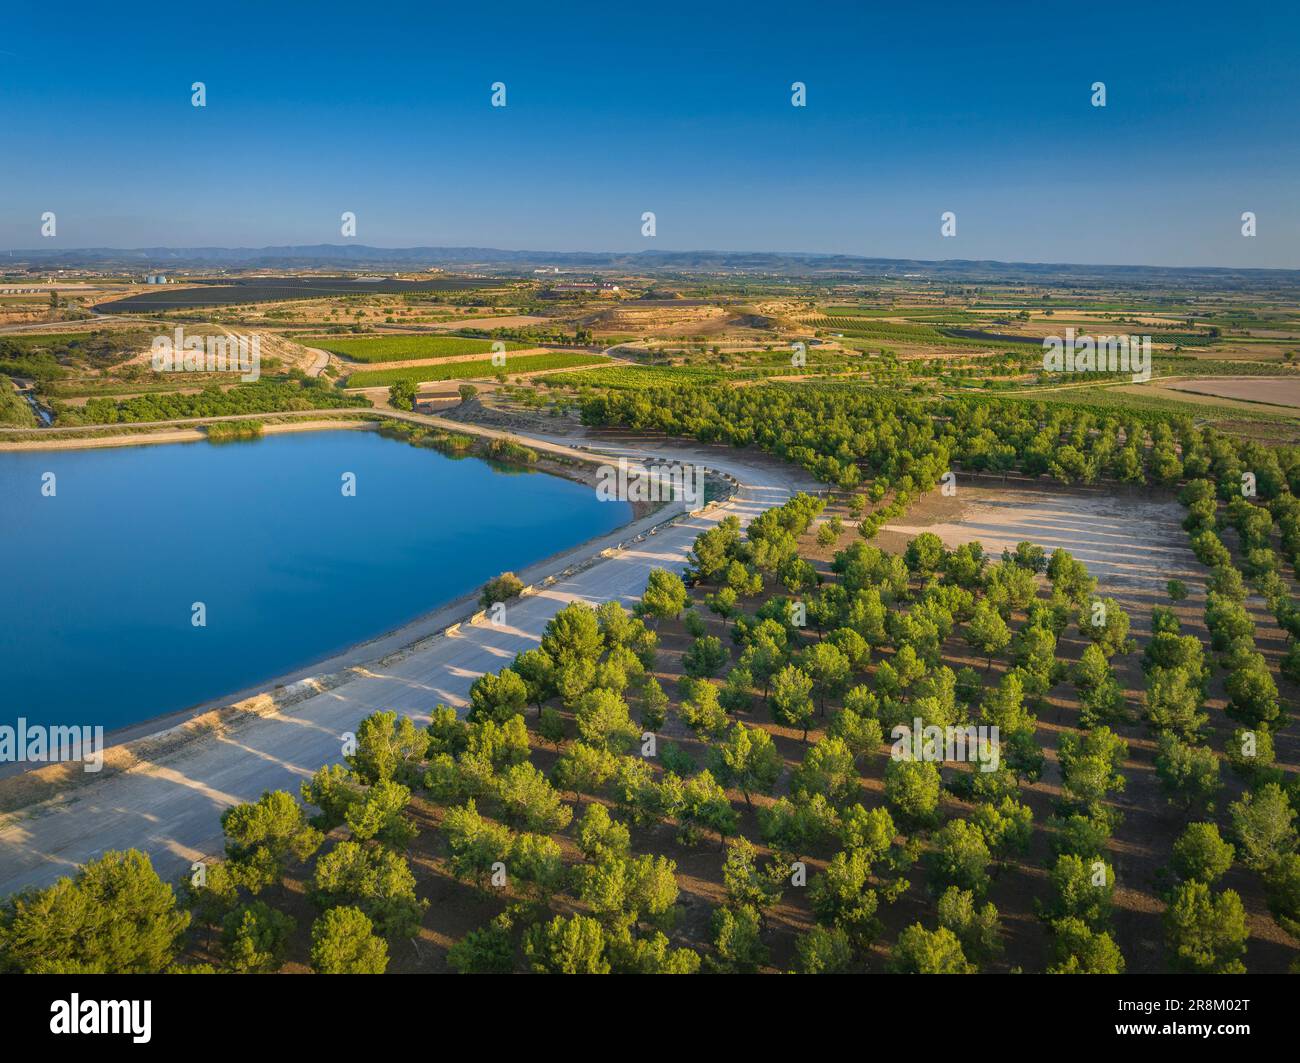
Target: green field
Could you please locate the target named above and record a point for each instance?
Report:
(910, 313)
(481, 367)
(748, 366)
(857, 331)
(636, 377)
(403, 348)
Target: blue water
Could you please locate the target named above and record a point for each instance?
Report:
(98, 582)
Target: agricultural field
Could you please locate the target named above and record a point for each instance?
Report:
(852, 330)
(401, 348)
(637, 377)
(1246, 420)
(733, 370)
(898, 334)
(484, 368)
(1270, 390)
(215, 292)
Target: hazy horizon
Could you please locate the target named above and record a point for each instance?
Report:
(54, 253)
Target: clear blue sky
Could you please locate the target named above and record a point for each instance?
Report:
(682, 109)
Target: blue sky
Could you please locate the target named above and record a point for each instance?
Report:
(684, 110)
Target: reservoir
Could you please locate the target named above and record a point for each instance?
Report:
(100, 583)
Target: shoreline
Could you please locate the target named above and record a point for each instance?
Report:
(163, 795)
(165, 732)
(187, 433)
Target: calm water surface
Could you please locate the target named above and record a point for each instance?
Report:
(99, 581)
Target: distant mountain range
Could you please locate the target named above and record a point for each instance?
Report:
(487, 259)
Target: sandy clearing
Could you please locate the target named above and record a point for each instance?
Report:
(1130, 542)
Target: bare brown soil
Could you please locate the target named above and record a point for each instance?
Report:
(1276, 391)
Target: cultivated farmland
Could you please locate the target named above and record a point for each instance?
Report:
(418, 374)
(406, 348)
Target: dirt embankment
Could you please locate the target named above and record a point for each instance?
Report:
(180, 434)
(26, 788)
